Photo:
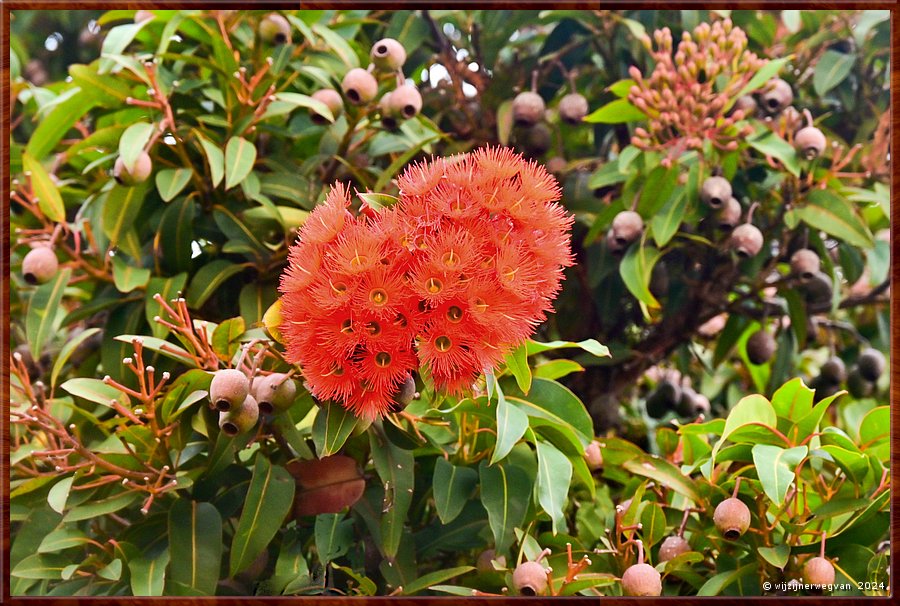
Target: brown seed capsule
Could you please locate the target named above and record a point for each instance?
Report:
(663, 399)
(871, 364)
(405, 101)
(715, 191)
(573, 108)
(641, 580)
(388, 54)
(528, 109)
(673, 547)
(746, 240)
(627, 227)
(39, 265)
(141, 16)
(818, 571)
(537, 140)
(483, 563)
(732, 518)
(275, 29)
(332, 100)
(730, 214)
(818, 289)
(692, 404)
(833, 372)
(858, 386)
(239, 419)
(530, 578)
(389, 119)
(746, 104)
(274, 393)
(359, 86)
(228, 389)
(143, 166)
(810, 142)
(593, 456)
(805, 263)
(776, 95)
(760, 347)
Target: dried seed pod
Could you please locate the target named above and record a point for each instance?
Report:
(760, 347)
(810, 142)
(818, 571)
(405, 101)
(573, 108)
(332, 100)
(274, 393)
(858, 386)
(776, 95)
(275, 29)
(484, 562)
(715, 191)
(388, 117)
(732, 518)
(388, 54)
(805, 263)
(673, 547)
(143, 166)
(818, 289)
(537, 140)
(39, 265)
(528, 109)
(746, 240)
(593, 456)
(530, 578)
(641, 580)
(729, 215)
(871, 364)
(627, 227)
(359, 86)
(833, 372)
(228, 389)
(239, 419)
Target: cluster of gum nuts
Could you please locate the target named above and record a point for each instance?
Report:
(529, 109)
(240, 399)
(360, 87)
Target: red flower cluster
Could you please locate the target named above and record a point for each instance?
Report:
(454, 276)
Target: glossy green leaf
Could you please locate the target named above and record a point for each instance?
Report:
(44, 189)
(653, 524)
(42, 319)
(517, 363)
(553, 479)
(120, 209)
(666, 222)
(332, 426)
(116, 41)
(209, 279)
(40, 566)
(56, 124)
(108, 91)
(776, 556)
(765, 73)
(636, 268)
(775, 467)
(94, 509)
(298, 100)
(831, 69)
(170, 182)
(503, 490)
(439, 576)
(716, 584)
(771, 144)
(126, 277)
(396, 468)
(112, 571)
(511, 426)
(553, 402)
(591, 346)
(132, 143)
(269, 500)
(62, 539)
(556, 369)
(225, 337)
(170, 350)
(148, 575)
(334, 536)
(216, 160)
(616, 112)
(834, 215)
(195, 545)
(453, 486)
(59, 494)
(752, 409)
(176, 234)
(240, 155)
(67, 350)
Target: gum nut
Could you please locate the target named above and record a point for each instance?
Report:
(537, 139)
(715, 191)
(228, 389)
(818, 571)
(39, 265)
(818, 289)
(573, 108)
(810, 142)
(275, 29)
(143, 166)
(760, 347)
(641, 580)
(405, 101)
(730, 214)
(834, 371)
(484, 561)
(805, 263)
(528, 108)
(746, 240)
(871, 364)
(627, 227)
(530, 578)
(746, 104)
(274, 393)
(858, 386)
(777, 94)
(732, 518)
(359, 86)
(593, 456)
(332, 100)
(388, 54)
(240, 419)
(673, 547)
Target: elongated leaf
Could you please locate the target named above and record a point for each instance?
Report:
(831, 69)
(240, 155)
(334, 536)
(517, 362)
(170, 350)
(94, 390)
(120, 209)
(170, 182)
(126, 277)
(775, 468)
(592, 346)
(55, 125)
(750, 410)
(616, 112)
(836, 216)
(132, 143)
(453, 486)
(148, 575)
(45, 191)
(215, 158)
(176, 234)
(636, 268)
(116, 41)
(660, 470)
(765, 73)
(511, 426)
(62, 539)
(67, 351)
(208, 279)
(666, 222)
(268, 501)
(40, 566)
(59, 494)
(505, 494)
(102, 507)
(439, 576)
(653, 522)
(332, 426)
(107, 91)
(337, 44)
(298, 100)
(656, 191)
(396, 468)
(557, 404)
(554, 476)
(716, 584)
(42, 318)
(195, 544)
(771, 144)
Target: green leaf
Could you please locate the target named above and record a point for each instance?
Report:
(875, 426)
(334, 536)
(62, 539)
(616, 112)
(511, 426)
(396, 468)
(120, 209)
(555, 403)
(592, 346)
(116, 41)
(438, 576)
(453, 486)
(793, 400)
(620, 88)
(176, 234)
(653, 524)
(170, 182)
(834, 215)
(209, 279)
(776, 556)
(215, 158)
(108, 91)
(775, 468)
(59, 494)
(225, 337)
(95, 509)
(517, 363)
(331, 428)
(750, 410)
(553, 479)
(831, 69)
(40, 566)
(378, 201)
(636, 268)
(666, 222)
(95, 390)
(67, 350)
(716, 584)
(657, 190)
(42, 318)
(170, 350)
(660, 470)
(504, 122)
(337, 44)
(148, 575)
(772, 145)
(765, 73)
(505, 490)
(298, 100)
(45, 191)
(132, 143)
(112, 571)
(269, 500)
(54, 126)
(240, 155)
(195, 544)
(555, 369)
(126, 277)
